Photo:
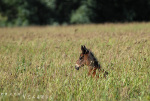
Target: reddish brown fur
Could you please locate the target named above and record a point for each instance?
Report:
(87, 58)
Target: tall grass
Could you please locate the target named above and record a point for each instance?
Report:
(37, 63)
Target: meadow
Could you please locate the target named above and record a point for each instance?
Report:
(37, 63)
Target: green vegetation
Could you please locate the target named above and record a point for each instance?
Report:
(55, 12)
(38, 62)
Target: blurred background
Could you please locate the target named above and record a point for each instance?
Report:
(65, 12)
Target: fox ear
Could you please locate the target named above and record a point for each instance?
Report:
(84, 49)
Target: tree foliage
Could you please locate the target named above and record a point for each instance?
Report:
(43, 12)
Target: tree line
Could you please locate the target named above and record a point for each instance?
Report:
(55, 12)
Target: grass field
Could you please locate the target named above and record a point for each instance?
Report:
(37, 63)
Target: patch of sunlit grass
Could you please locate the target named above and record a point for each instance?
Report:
(38, 62)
